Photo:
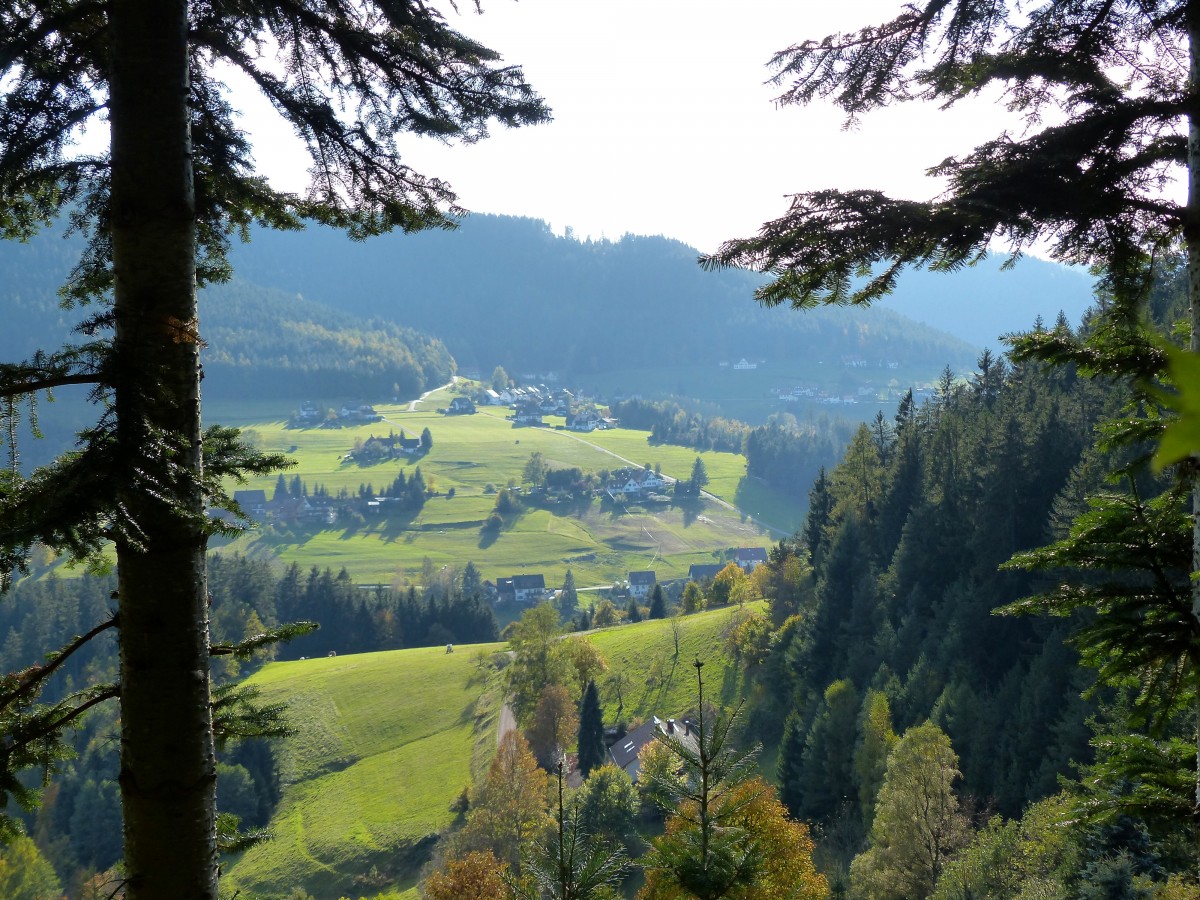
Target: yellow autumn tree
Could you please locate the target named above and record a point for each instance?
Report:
(785, 848)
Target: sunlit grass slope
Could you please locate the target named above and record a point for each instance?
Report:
(384, 743)
(659, 681)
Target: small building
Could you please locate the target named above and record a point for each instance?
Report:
(749, 558)
(252, 503)
(641, 584)
(626, 752)
(529, 588)
(462, 406)
(703, 572)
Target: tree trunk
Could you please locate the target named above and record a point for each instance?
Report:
(1191, 236)
(168, 776)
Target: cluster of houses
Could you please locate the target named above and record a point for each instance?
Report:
(378, 449)
(530, 404)
(629, 483)
(529, 590)
(310, 415)
(308, 510)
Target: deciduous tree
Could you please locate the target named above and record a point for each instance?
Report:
(476, 876)
(918, 824)
(510, 807)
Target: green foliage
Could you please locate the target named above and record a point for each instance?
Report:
(658, 605)
(608, 803)
(590, 742)
(25, 874)
(573, 864)
(703, 851)
(918, 825)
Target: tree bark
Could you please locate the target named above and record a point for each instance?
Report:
(168, 774)
(1191, 237)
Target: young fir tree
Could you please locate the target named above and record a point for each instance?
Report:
(591, 731)
(632, 611)
(705, 852)
(157, 208)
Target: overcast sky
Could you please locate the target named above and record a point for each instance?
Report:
(663, 123)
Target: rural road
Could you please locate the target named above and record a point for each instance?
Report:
(506, 723)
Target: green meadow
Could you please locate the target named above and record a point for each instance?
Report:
(385, 742)
(475, 454)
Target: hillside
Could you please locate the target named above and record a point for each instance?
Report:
(386, 741)
(474, 455)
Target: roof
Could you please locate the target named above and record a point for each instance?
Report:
(626, 750)
(644, 577)
(704, 571)
(529, 582)
(250, 498)
(747, 554)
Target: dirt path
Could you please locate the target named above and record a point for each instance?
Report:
(412, 404)
(506, 723)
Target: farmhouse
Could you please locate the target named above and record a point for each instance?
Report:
(586, 419)
(749, 558)
(628, 483)
(461, 406)
(626, 751)
(703, 572)
(526, 589)
(641, 584)
(252, 503)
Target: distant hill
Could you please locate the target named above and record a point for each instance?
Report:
(980, 303)
(284, 345)
(313, 312)
(508, 291)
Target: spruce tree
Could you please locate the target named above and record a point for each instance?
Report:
(568, 599)
(633, 611)
(591, 731)
(157, 209)
(658, 606)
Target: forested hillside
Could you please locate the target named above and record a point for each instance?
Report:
(887, 603)
(536, 302)
(286, 346)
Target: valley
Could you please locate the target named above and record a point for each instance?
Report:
(474, 456)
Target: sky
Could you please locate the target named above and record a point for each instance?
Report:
(663, 123)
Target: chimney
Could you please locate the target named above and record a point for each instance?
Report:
(670, 726)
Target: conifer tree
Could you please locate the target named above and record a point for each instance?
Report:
(658, 605)
(158, 208)
(633, 611)
(1086, 176)
(591, 731)
(568, 599)
(705, 853)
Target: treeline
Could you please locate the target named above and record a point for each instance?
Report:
(782, 453)
(292, 348)
(77, 827)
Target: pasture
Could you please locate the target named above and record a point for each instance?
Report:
(477, 454)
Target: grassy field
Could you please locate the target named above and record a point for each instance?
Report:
(475, 454)
(662, 682)
(384, 743)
